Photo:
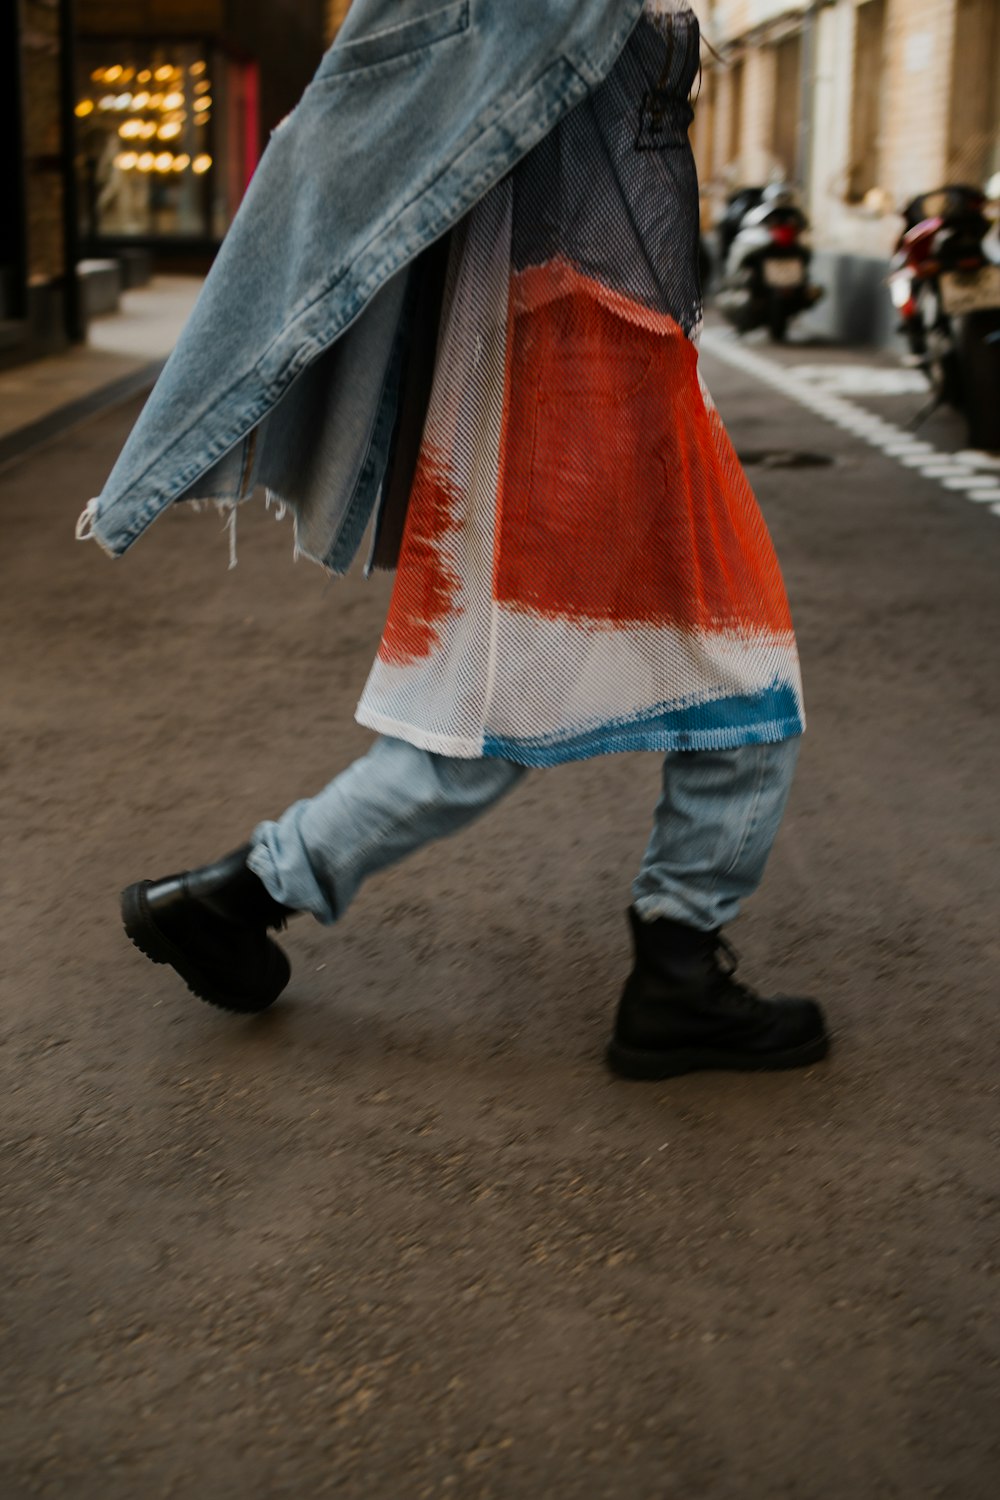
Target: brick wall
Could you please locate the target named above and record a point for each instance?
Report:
(710, 145)
(757, 156)
(919, 42)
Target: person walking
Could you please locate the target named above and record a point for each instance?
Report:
(580, 564)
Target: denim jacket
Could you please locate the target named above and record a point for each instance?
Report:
(287, 374)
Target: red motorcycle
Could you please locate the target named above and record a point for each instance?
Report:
(946, 288)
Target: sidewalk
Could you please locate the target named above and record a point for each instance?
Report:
(124, 354)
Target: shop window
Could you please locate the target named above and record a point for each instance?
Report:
(866, 107)
(787, 107)
(974, 132)
(166, 139)
(735, 112)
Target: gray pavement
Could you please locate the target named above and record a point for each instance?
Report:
(403, 1236)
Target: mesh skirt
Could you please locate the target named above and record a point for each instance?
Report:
(584, 567)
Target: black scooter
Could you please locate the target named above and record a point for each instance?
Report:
(765, 261)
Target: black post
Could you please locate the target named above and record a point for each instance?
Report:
(13, 223)
(76, 326)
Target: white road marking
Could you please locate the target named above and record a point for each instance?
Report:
(972, 483)
(820, 388)
(863, 380)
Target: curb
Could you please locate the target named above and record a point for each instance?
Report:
(24, 440)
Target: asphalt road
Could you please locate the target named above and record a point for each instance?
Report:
(402, 1236)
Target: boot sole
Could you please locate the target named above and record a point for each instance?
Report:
(143, 933)
(632, 1062)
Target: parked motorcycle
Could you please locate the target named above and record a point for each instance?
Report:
(765, 258)
(945, 283)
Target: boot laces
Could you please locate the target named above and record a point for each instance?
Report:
(728, 960)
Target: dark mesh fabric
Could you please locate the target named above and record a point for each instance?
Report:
(627, 146)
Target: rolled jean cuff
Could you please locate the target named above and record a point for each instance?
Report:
(291, 882)
(392, 801)
(680, 908)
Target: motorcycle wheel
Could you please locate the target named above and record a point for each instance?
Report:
(705, 267)
(777, 322)
(945, 375)
(944, 367)
(979, 349)
(916, 338)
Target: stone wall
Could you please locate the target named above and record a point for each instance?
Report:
(42, 139)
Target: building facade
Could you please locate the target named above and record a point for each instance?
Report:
(131, 130)
(863, 103)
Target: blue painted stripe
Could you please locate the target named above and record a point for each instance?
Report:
(724, 724)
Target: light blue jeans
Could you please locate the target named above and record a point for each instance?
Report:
(712, 832)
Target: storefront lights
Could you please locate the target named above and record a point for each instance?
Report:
(142, 117)
(162, 161)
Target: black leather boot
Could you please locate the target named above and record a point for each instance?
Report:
(682, 1010)
(211, 925)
